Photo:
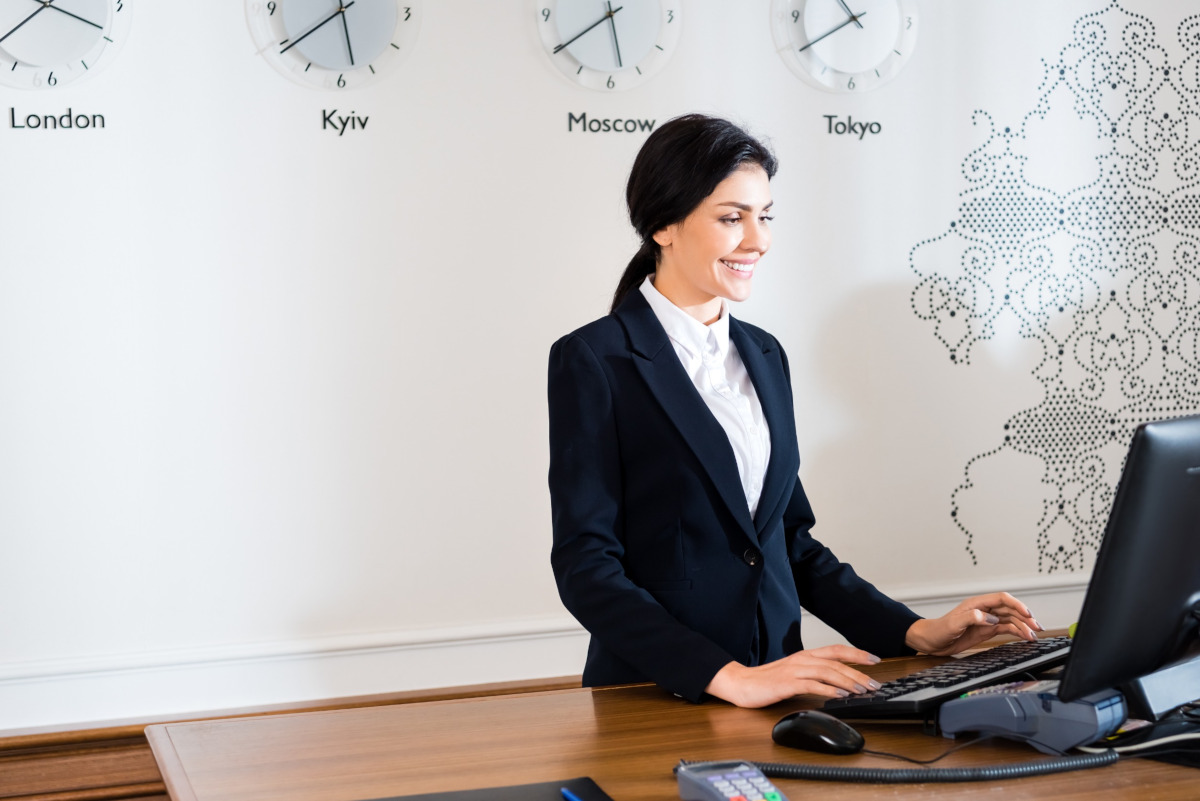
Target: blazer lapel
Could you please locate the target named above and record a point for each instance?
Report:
(773, 392)
(659, 366)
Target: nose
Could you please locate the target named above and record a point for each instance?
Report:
(756, 237)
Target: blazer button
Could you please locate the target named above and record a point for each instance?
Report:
(752, 557)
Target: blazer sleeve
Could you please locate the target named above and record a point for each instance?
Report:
(587, 556)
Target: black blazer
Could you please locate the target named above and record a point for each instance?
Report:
(655, 551)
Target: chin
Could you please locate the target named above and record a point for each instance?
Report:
(737, 294)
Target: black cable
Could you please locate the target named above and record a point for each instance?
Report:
(1190, 712)
(827, 773)
(937, 758)
(920, 775)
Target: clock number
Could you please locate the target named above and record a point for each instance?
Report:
(341, 81)
(51, 80)
(545, 15)
(407, 13)
(795, 16)
(850, 85)
(271, 8)
(670, 16)
(909, 25)
(609, 83)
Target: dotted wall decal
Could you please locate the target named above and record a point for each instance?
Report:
(1093, 252)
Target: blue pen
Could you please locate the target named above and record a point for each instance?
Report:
(569, 796)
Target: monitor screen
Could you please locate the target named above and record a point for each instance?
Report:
(1138, 614)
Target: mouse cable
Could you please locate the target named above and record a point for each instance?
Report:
(833, 773)
(937, 758)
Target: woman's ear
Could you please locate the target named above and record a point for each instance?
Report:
(663, 236)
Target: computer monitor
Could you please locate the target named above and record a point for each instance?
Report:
(1138, 628)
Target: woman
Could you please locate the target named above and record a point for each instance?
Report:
(681, 531)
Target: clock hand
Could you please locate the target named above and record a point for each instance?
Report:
(588, 28)
(613, 25)
(316, 27)
(853, 18)
(69, 14)
(849, 13)
(346, 30)
(22, 22)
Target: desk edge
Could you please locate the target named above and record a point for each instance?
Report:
(169, 763)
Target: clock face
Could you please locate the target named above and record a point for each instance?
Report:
(334, 44)
(609, 45)
(845, 45)
(45, 44)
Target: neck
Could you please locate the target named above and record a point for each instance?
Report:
(702, 307)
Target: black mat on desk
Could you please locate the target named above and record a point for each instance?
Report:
(585, 788)
(1181, 752)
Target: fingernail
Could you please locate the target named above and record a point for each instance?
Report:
(874, 685)
(991, 619)
(1028, 613)
(874, 659)
(842, 693)
(858, 688)
(1037, 625)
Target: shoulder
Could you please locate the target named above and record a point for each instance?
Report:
(603, 336)
(606, 329)
(585, 355)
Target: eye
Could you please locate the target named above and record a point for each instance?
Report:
(767, 217)
(732, 219)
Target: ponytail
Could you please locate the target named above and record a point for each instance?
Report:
(643, 263)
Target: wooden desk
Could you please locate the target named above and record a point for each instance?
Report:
(626, 738)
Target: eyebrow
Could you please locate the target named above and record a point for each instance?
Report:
(745, 207)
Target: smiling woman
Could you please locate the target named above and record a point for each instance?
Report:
(681, 530)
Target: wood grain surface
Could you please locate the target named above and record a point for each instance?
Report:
(626, 738)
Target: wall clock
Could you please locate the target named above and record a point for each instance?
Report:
(334, 44)
(46, 44)
(845, 45)
(609, 45)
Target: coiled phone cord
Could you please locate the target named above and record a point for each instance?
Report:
(1041, 767)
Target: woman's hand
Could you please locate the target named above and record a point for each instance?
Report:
(820, 671)
(970, 623)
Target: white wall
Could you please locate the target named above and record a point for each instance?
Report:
(272, 413)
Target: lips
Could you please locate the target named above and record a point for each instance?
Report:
(738, 267)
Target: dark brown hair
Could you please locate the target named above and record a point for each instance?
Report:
(680, 165)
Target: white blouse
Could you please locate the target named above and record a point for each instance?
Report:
(712, 362)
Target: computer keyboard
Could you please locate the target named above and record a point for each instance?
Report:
(921, 693)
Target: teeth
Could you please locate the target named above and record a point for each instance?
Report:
(741, 268)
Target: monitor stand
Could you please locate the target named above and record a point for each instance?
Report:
(1154, 695)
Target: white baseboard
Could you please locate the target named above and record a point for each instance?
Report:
(90, 690)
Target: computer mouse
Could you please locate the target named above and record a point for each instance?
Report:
(816, 731)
